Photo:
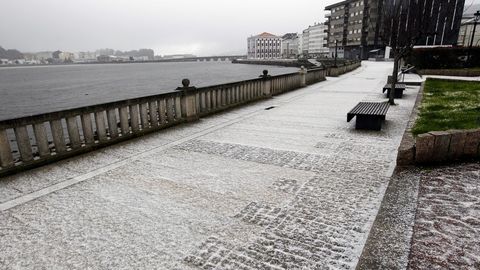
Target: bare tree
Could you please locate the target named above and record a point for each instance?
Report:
(404, 23)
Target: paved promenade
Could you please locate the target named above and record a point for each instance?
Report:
(291, 187)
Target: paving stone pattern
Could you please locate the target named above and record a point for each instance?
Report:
(447, 226)
(311, 232)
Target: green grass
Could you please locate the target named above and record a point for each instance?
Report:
(449, 104)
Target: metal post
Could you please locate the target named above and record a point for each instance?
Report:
(477, 17)
(336, 52)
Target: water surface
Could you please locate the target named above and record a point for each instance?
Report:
(33, 90)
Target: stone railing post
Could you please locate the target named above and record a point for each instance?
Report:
(303, 76)
(188, 101)
(266, 84)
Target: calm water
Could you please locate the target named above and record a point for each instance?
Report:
(33, 90)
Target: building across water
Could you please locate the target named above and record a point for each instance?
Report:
(264, 46)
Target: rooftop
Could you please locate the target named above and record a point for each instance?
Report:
(266, 35)
(337, 4)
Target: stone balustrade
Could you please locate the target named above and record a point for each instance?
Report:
(33, 141)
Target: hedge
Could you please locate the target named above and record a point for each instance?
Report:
(443, 58)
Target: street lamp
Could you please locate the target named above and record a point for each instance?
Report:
(336, 52)
(475, 21)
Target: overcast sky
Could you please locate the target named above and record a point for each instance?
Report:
(202, 27)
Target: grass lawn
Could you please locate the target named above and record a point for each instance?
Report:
(449, 104)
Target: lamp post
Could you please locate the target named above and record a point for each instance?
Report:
(475, 21)
(336, 52)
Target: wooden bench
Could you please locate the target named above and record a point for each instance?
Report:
(370, 115)
(399, 88)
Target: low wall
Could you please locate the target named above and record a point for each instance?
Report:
(339, 70)
(451, 72)
(282, 63)
(444, 146)
(33, 141)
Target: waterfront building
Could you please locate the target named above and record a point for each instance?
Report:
(317, 41)
(264, 46)
(66, 56)
(175, 56)
(43, 56)
(466, 31)
(300, 44)
(357, 26)
(86, 56)
(305, 42)
(313, 41)
(290, 45)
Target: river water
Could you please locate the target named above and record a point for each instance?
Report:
(33, 90)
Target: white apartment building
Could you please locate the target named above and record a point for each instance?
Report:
(264, 46)
(300, 44)
(313, 41)
(317, 40)
(305, 43)
(290, 44)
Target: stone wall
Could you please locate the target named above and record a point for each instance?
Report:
(443, 146)
(438, 147)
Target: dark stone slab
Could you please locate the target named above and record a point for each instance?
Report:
(441, 145)
(424, 148)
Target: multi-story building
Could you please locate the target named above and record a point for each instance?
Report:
(466, 29)
(300, 45)
(86, 56)
(290, 45)
(264, 46)
(358, 27)
(66, 56)
(313, 41)
(317, 41)
(305, 43)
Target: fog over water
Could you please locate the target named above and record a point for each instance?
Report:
(33, 90)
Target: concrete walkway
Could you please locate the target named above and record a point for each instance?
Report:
(293, 187)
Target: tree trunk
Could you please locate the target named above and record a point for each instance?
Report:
(391, 97)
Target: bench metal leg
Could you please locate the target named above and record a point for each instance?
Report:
(369, 122)
(398, 93)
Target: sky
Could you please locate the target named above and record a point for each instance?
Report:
(201, 27)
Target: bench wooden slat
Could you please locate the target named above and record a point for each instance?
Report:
(369, 108)
(369, 114)
(400, 86)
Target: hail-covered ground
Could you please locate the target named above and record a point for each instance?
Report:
(293, 187)
(447, 225)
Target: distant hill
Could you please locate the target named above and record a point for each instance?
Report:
(10, 54)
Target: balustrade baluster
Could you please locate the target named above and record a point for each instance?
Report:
(73, 132)
(124, 125)
(6, 157)
(101, 129)
(112, 123)
(41, 138)
(87, 129)
(23, 143)
(58, 136)
(134, 118)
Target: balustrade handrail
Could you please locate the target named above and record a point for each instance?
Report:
(43, 138)
(41, 117)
